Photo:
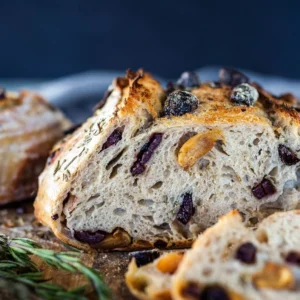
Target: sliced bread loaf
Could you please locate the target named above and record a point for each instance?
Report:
(154, 168)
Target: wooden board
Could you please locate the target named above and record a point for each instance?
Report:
(17, 220)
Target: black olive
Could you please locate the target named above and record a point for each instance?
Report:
(160, 244)
(90, 237)
(232, 77)
(188, 80)
(113, 139)
(145, 257)
(54, 217)
(186, 209)
(244, 94)
(246, 253)
(214, 292)
(211, 292)
(293, 258)
(263, 189)
(287, 156)
(179, 103)
(139, 166)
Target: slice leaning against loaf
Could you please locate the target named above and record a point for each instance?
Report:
(29, 127)
(228, 261)
(263, 264)
(154, 168)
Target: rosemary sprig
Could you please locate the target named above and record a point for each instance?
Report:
(16, 265)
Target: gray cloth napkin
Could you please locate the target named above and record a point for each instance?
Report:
(76, 95)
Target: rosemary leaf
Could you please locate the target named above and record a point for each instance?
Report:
(16, 266)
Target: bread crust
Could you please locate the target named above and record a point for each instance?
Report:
(131, 97)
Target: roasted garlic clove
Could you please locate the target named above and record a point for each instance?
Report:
(169, 263)
(274, 276)
(197, 146)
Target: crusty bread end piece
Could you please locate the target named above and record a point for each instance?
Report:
(29, 127)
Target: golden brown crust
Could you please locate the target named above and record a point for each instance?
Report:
(283, 109)
(140, 92)
(134, 246)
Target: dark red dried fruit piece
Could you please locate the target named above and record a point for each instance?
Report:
(160, 244)
(192, 290)
(2, 93)
(137, 168)
(89, 237)
(54, 217)
(145, 154)
(72, 129)
(211, 292)
(179, 103)
(145, 257)
(287, 156)
(186, 210)
(293, 258)
(246, 253)
(188, 80)
(263, 189)
(232, 77)
(113, 139)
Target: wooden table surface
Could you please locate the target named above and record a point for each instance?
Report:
(17, 220)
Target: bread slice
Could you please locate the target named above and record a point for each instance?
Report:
(148, 283)
(152, 280)
(29, 127)
(153, 169)
(228, 261)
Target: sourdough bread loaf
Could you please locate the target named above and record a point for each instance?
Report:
(155, 167)
(228, 261)
(29, 127)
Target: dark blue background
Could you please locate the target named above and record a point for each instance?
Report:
(60, 37)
